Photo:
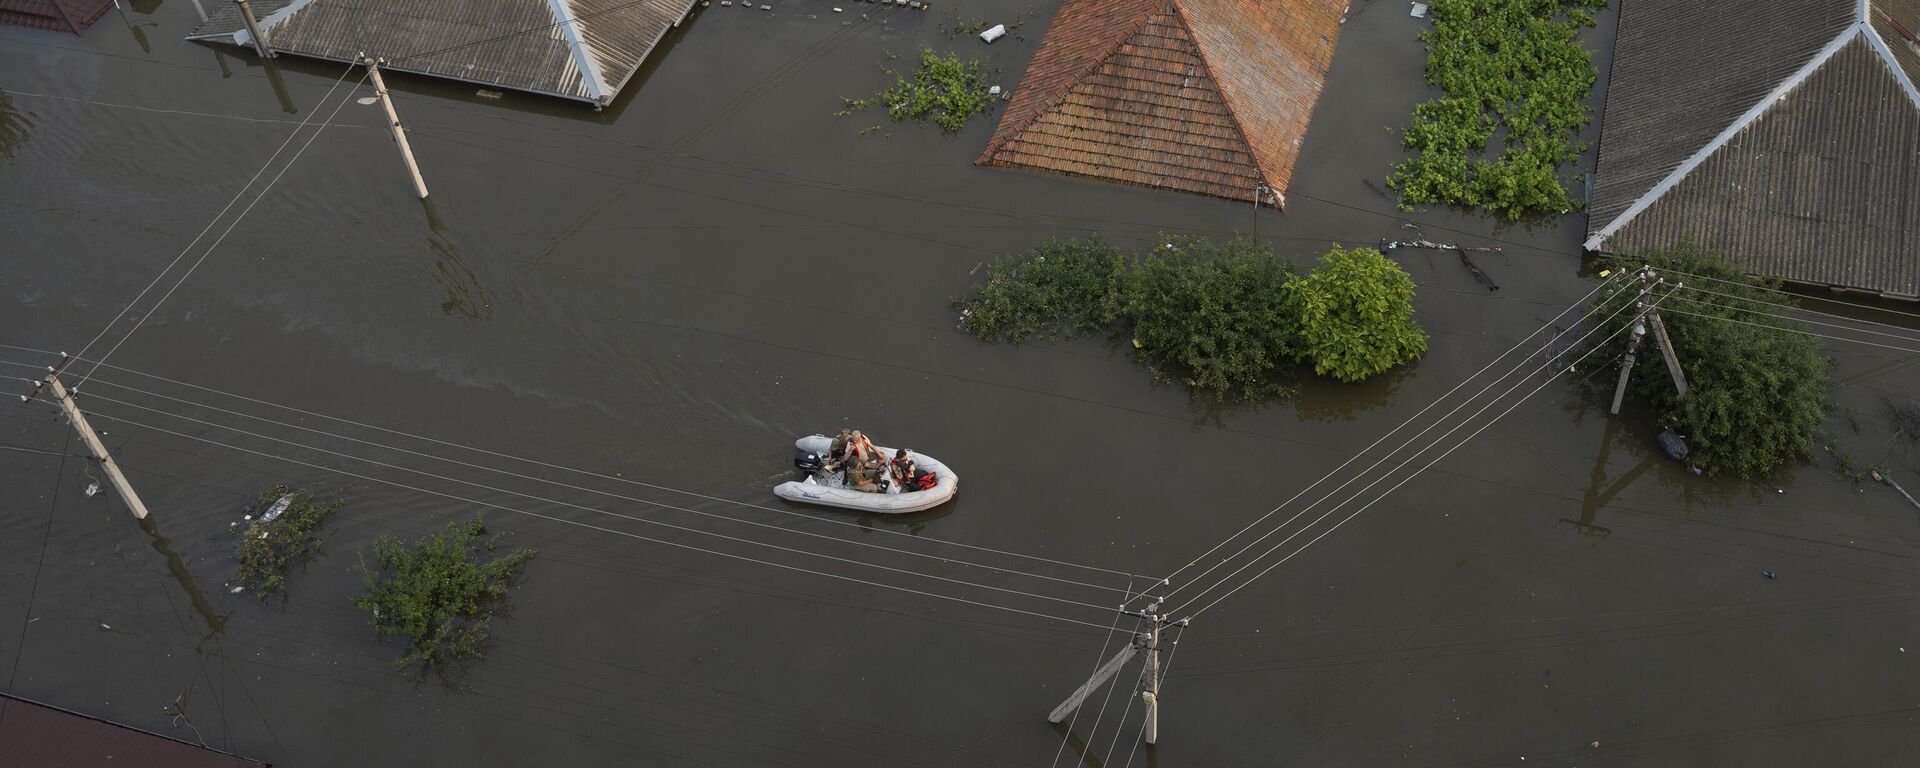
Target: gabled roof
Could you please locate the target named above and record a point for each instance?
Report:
(35, 734)
(1784, 133)
(576, 49)
(61, 15)
(1206, 96)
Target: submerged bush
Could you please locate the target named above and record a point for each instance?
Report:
(1353, 315)
(1757, 385)
(270, 548)
(1063, 288)
(440, 594)
(945, 90)
(1513, 68)
(1222, 318)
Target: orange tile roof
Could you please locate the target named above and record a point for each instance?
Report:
(1207, 96)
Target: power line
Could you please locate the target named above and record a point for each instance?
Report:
(1791, 330)
(601, 529)
(223, 235)
(159, 111)
(550, 465)
(1830, 300)
(1390, 433)
(609, 494)
(583, 508)
(1416, 473)
(1106, 641)
(1905, 332)
(1788, 319)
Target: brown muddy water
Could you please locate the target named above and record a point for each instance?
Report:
(669, 291)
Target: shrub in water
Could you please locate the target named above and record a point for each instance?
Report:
(439, 594)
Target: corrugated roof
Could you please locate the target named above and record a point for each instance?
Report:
(1803, 196)
(34, 735)
(578, 49)
(1207, 96)
(1683, 71)
(1815, 178)
(1898, 23)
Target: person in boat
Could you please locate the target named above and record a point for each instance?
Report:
(864, 474)
(902, 469)
(860, 449)
(837, 452)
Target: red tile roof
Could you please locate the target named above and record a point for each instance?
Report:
(62, 15)
(1207, 96)
(34, 735)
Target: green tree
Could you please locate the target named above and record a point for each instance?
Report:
(945, 90)
(1064, 288)
(440, 594)
(1758, 387)
(1353, 315)
(1211, 315)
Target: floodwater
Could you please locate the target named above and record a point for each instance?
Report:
(665, 293)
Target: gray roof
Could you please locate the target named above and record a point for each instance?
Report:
(576, 49)
(1784, 133)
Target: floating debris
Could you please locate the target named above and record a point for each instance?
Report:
(994, 32)
(486, 94)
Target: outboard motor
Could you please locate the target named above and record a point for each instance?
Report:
(808, 461)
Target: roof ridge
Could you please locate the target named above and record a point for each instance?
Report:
(1753, 113)
(1226, 101)
(1885, 52)
(1004, 133)
(568, 23)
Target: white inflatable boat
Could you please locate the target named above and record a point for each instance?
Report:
(821, 488)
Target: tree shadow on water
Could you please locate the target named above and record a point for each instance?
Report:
(14, 128)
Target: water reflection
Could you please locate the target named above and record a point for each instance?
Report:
(13, 128)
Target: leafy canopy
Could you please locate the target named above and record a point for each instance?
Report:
(1221, 317)
(1509, 67)
(440, 594)
(1758, 387)
(1353, 315)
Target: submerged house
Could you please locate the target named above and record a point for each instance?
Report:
(574, 49)
(61, 15)
(36, 734)
(1204, 96)
(1783, 133)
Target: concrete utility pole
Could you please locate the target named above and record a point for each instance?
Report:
(87, 435)
(1147, 642)
(253, 31)
(1646, 315)
(393, 121)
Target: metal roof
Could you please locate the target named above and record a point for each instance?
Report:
(35, 734)
(1737, 125)
(576, 49)
(1207, 96)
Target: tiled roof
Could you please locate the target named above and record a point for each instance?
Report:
(1791, 144)
(34, 734)
(61, 15)
(1207, 96)
(578, 49)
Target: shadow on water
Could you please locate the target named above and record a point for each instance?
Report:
(465, 297)
(13, 128)
(216, 622)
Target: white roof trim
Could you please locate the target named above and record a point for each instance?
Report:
(1886, 56)
(242, 37)
(582, 55)
(1753, 113)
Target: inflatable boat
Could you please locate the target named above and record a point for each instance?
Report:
(825, 489)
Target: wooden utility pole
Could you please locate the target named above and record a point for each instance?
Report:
(393, 121)
(87, 435)
(1147, 642)
(253, 32)
(1649, 315)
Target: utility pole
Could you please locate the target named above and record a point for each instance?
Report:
(1147, 642)
(87, 435)
(393, 121)
(1649, 315)
(253, 32)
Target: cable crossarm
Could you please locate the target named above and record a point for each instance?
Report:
(610, 494)
(584, 508)
(215, 220)
(1551, 364)
(579, 524)
(1403, 425)
(562, 468)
